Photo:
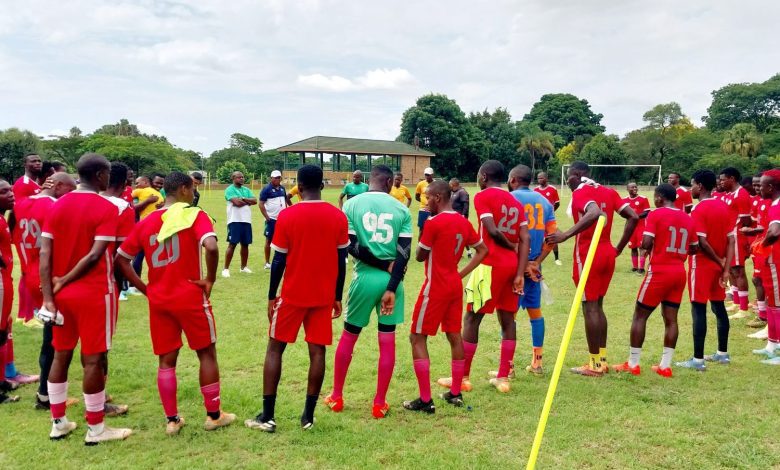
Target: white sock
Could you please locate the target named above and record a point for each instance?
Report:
(721, 353)
(735, 294)
(633, 356)
(698, 361)
(666, 358)
(771, 346)
(96, 429)
(43, 398)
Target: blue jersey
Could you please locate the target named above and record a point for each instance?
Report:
(539, 213)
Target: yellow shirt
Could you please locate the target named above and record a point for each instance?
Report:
(421, 191)
(295, 192)
(143, 194)
(401, 193)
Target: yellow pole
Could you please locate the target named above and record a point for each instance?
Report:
(575, 307)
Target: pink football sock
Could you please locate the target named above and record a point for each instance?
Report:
(634, 261)
(734, 294)
(211, 398)
(95, 404)
(642, 262)
(743, 299)
(58, 395)
(166, 386)
(422, 369)
(469, 349)
(507, 356)
(385, 365)
(341, 363)
(761, 309)
(457, 375)
(772, 320)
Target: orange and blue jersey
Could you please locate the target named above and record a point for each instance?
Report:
(541, 218)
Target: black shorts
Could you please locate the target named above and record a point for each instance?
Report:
(270, 225)
(422, 216)
(239, 233)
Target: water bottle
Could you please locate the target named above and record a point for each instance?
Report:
(547, 296)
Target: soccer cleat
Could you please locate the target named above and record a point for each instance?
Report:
(133, 291)
(760, 334)
(775, 361)
(662, 372)
(112, 411)
(692, 364)
(267, 266)
(6, 386)
(8, 398)
(246, 270)
(764, 352)
(34, 323)
(46, 405)
(122, 296)
(634, 270)
(60, 428)
(587, 371)
(380, 411)
(173, 427)
(739, 315)
(538, 370)
(225, 419)
(511, 375)
(102, 433)
(731, 307)
(640, 272)
(335, 404)
(446, 382)
(625, 367)
(418, 405)
(501, 384)
(756, 323)
(306, 424)
(719, 358)
(558, 262)
(258, 423)
(226, 273)
(455, 400)
(23, 379)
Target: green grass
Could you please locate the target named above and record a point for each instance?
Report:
(723, 418)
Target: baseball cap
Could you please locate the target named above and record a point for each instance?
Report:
(276, 174)
(428, 171)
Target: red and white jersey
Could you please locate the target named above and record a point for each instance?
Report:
(75, 222)
(127, 195)
(6, 254)
(607, 199)
(739, 203)
(774, 218)
(508, 215)
(173, 263)
(25, 187)
(446, 235)
(126, 215)
(755, 203)
(708, 221)
(673, 232)
(639, 203)
(311, 233)
(684, 198)
(30, 215)
(550, 193)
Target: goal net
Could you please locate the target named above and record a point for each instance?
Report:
(643, 175)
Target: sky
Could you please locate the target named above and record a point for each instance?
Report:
(285, 70)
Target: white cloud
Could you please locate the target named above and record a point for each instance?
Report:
(377, 79)
(331, 83)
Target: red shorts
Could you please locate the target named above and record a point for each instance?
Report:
(601, 270)
(167, 322)
(6, 300)
(662, 285)
(502, 295)
(741, 250)
(90, 319)
(287, 320)
(430, 313)
(636, 238)
(771, 283)
(704, 285)
(32, 280)
(759, 265)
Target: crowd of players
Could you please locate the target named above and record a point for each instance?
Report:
(77, 246)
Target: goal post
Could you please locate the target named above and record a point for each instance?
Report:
(565, 166)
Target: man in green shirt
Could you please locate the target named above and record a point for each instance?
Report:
(239, 220)
(357, 186)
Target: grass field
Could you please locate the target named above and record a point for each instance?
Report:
(724, 418)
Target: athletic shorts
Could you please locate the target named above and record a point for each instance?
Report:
(532, 294)
(741, 250)
(32, 281)
(422, 216)
(239, 233)
(430, 313)
(772, 285)
(90, 319)
(270, 227)
(365, 296)
(664, 285)
(601, 270)
(6, 301)
(636, 238)
(167, 322)
(502, 295)
(287, 319)
(759, 265)
(704, 285)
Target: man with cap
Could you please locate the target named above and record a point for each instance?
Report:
(274, 199)
(419, 196)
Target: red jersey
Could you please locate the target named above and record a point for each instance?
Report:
(311, 233)
(172, 264)
(549, 192)
(126, 220)
(75, 222)
(446, 235)
(30, 216)
(739, 202)
(684, 198)
(5, 254)
(639, 204)
(25, 187)
(755, 203)
(508, 215)
(774, 218)
(607, 199)
(709, 220)
(673, 232)
(127, 195)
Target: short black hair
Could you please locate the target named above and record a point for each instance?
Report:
(675, 174)
(494, 171)
(381, 171)
(118, 178)
(90, 164)
(731, 172)
(309, 177)
(30, 154)
(145, 178)
(441, 188)
(706, 178)
(580, 166)
(46, 167)
(666, 191)
(746, 181)
(398, 173)
(156, 175)
(522, 173)
(175, 180)
(197, 175)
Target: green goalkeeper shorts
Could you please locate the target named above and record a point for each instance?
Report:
(365, 296)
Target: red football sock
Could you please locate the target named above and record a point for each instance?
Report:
(422, 369)
(642, 262)
(95, 404)
(469, 349)
(457, 375)
(761, 309)
(772, 320)
(211, 397)
(385, 366)
(9, 346)
(507, 356)
(743, 300)
(341, 363)
(634, 261)
(58, 395)
(166, 385)
(2, 356)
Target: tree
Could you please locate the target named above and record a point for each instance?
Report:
(754, 103)
(14, 145)
(565, 116)
(539, 144)
(654, 143)
(139, 153)
(64, 149)
(605, 150)
(228, 168)
(242, 148)
(123, 128)
(743, 140)
(567, 153)
(501, 134)
(246, 143)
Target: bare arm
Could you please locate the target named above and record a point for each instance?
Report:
(44, 263)
(212, 259)
(631, 221)
(124, 267)
(647, 243)
(772, 234)
(408, 202)
(707, 250)
(592, 213)
(523, 247)
(556, 205)
(421, 254)
(145, 203)
(496, 235)
(341, 200)
(263, 211)
(249, 201)
(481, 251)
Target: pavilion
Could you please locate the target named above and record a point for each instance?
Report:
(340, 156)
